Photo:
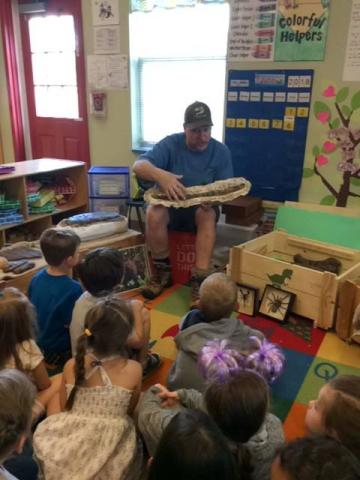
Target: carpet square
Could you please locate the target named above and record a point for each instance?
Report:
(289, 339)
(285, 335)
(280, 406)
(294, 425)
(163, 328)
(177, 304)
(296, 367)
(336, 350)
(320, 372)
(267, 327)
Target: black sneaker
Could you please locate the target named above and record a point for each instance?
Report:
(153, 361)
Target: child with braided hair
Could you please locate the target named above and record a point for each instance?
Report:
(94, 436)
(236, 398)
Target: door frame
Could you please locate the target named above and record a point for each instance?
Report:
(71, 7)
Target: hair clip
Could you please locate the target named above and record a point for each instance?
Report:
(96, 363)
(87, 332)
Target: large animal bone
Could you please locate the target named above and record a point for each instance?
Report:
(214, 193)
(329, 264)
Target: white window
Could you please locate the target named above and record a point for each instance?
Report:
(177, 56)
(52, 44)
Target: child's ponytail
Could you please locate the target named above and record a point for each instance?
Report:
(79, 369)
(243, 457)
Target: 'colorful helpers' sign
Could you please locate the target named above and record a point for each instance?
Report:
(301, 30)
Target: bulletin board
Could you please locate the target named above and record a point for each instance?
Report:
(267, 113)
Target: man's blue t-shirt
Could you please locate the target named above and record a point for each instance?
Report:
(54, 298)
(198, 168)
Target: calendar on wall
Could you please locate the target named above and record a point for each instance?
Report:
(267, 114)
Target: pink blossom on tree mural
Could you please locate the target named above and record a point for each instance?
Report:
(341, 137)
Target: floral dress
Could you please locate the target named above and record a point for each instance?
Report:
(95, 440)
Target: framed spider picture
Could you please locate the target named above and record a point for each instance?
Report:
(276, 303)
(246, 299)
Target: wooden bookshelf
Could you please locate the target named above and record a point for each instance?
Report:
(14, 187)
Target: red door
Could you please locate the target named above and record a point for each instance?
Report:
(55, 81)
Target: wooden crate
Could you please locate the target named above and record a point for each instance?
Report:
(256, 262)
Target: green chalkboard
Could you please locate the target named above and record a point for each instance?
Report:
(325, 227)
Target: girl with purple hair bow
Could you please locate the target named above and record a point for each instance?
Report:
(218, 362)
(236, 398)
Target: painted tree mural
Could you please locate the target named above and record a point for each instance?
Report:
(342, 138)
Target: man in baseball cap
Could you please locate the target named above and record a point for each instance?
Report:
(197, 115)
(182, 160)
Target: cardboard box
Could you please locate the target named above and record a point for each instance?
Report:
(234, 219)
(242, 206)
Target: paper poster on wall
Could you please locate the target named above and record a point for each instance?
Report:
(335, 156)
(351, 71)
(252, 30)
(106, 40)
(105, 12)
(267, 138)
(301, 30)
(108, 71)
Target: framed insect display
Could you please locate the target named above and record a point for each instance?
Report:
(247, 299)
(276, 303)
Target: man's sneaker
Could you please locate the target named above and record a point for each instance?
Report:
(153, 361)
(196, 280)
(160, 279)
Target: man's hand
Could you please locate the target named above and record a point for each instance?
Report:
(168, 399)
(171, 185)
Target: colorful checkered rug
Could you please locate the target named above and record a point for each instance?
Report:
(313, 356)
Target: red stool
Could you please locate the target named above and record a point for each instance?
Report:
(182, 255)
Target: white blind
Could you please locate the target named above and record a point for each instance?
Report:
(177, 56)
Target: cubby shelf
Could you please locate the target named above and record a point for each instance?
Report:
(14, 186)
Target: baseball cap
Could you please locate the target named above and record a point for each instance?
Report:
(197, 115)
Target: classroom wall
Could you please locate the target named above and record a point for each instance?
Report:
(327, 72)
(110, 137)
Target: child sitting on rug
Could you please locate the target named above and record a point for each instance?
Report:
(320, 458)
(336, 412)
(193, 448)
(17, 395)
(218, 299)
(101, 272)
(54, 293)
(94, 436)
(236, 398)
(19, 350)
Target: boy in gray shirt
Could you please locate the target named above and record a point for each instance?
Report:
(218, 299)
